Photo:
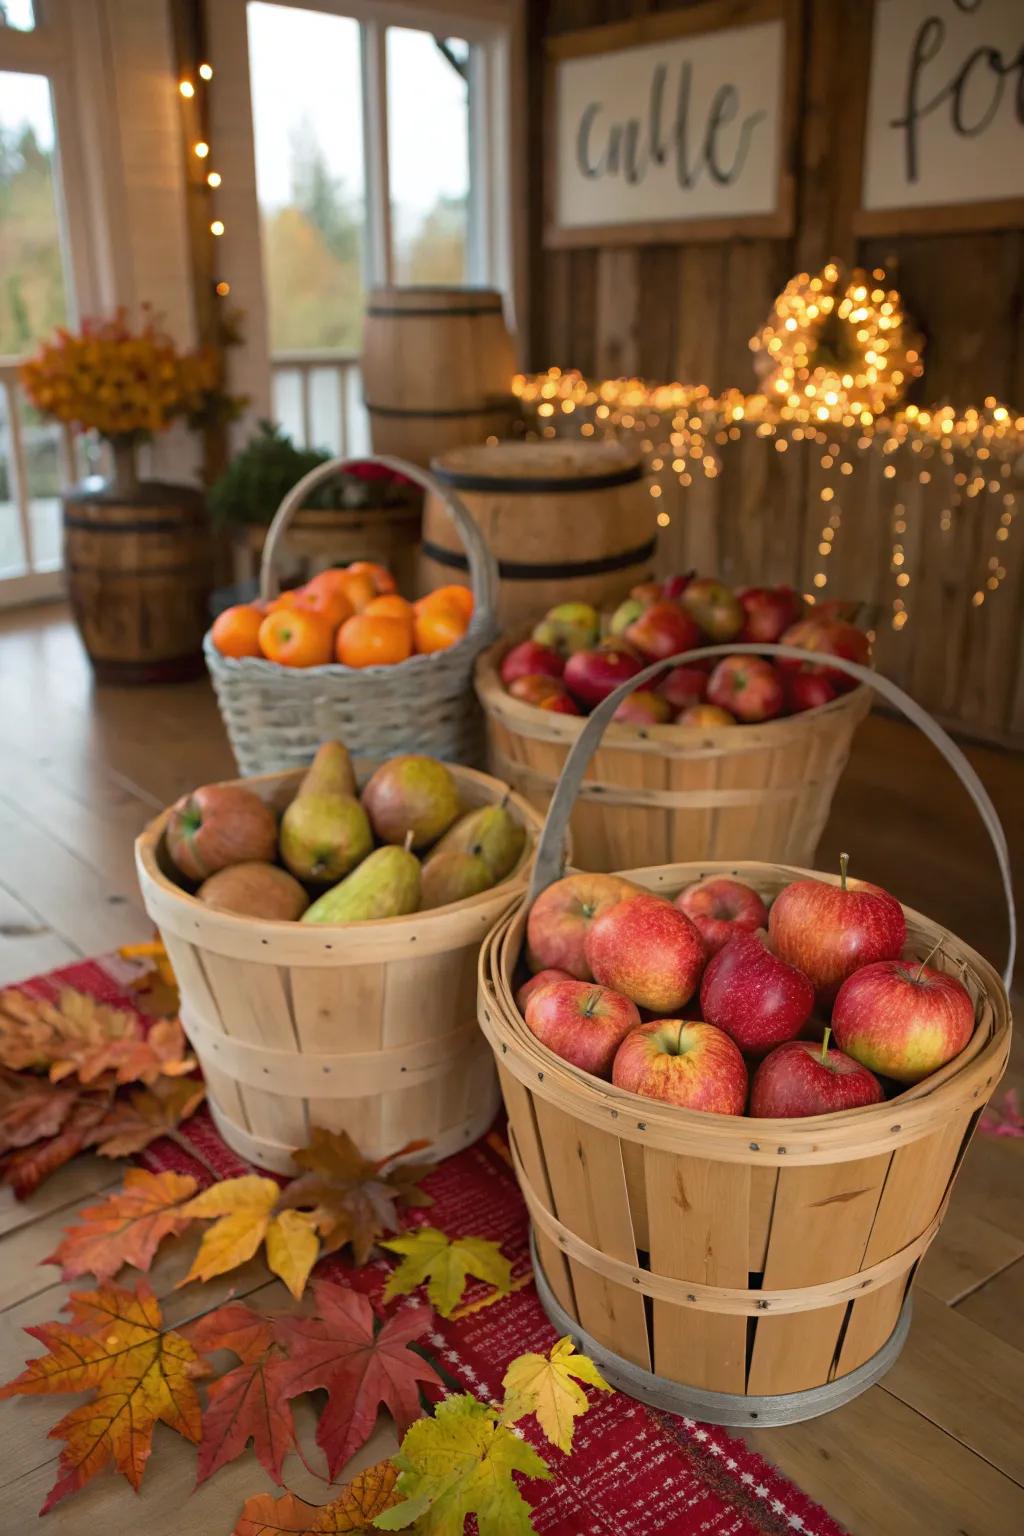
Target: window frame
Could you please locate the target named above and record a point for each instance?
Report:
(496, 257)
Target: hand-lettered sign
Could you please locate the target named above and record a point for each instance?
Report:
(672, 127)
(944, 134)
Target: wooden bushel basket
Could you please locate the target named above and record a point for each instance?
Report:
(663, 792)
(367, 1027)
(737, 1270)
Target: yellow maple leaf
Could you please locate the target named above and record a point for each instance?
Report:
(242, 1211)
(543, 1385)
(443, 1263)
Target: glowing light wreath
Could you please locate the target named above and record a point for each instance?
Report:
(837, 347)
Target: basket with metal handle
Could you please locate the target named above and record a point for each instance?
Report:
(739, 1270)
(277, 716)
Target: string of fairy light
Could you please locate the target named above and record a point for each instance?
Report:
(841, 399)
(199, 147)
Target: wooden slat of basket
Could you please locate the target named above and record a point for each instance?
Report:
(820, 1225)
(697, 1211)
(585, 1176)
(525, 1138)
(314, 991)
(871, 1321)
(764, 1183)
(192, 982)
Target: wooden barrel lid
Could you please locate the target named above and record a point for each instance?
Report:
(424, 301)
(538, 467)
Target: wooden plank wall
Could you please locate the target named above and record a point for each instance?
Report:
(687, 311)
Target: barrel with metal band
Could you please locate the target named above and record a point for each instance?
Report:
(738, 1270)
(437, 369)
(567, 522)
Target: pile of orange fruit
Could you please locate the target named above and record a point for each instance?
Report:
(354, 616)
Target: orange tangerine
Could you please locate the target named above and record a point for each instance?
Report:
(458, 597)
(391, 606)
(382, 579)
(373, 640)
(330, 602)
(295, 637)
(236, 631)
(438, 627)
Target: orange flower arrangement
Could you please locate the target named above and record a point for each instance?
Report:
(120, 382)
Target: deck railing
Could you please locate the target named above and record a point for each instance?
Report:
(317, 397)
(37, 461)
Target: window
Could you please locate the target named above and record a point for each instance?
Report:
(19, 15)
(34, 297)
(368, 138)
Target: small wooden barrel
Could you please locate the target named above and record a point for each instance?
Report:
(363, 1027)
(320, 537)
(139, 577)
(737, 1270)
(679, 791)
(567, 521)
(437, 369)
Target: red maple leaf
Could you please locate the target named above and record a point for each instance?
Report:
(360, 1369)
(245, 1403)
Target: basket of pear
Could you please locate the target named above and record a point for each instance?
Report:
(324, 928)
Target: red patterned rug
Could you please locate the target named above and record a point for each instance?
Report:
(633, 1471)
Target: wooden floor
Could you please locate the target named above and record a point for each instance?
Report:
(936, 1450)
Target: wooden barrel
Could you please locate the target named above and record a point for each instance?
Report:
(568, 521)
(139, 577)
(739, 1271)
(364, 1027)
(678, 791)
(437, 369)
(322, 537)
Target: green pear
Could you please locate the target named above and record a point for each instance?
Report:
(411, 795)
(453, 876)
(569, 627)
(493, 833)
(325, 832)
(387, 884)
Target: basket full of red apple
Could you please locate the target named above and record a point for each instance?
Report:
(735, 750)
(738, 1095)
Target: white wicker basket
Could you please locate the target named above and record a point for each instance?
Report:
(276, 716)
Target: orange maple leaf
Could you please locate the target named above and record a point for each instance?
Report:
(134, 1121)
(367, 1495)
(116, 1344)
(78, 1035)
(126, 1229)
(30, 1108)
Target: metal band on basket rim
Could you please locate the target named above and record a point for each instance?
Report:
(719, 1298)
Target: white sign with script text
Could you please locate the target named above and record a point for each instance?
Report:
(945, 121)
(687, 128)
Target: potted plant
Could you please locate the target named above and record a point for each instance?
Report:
(366, 512)
(136, 552)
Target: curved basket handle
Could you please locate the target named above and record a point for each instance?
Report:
(483, 568)
(549, 861)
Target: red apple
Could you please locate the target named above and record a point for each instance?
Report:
(769, 611)
(218, 825)
(830, 931)
(662, 630)
(552, 973)
(719, 907)
(714, 607)
(684, 686)
(758, 999)
(680, 1062)
(706, 716)
(534, 687)
(646, 592)
(591, 676)
(748, 687)
(844, 608)
(902, 1018)
(561, 917)
(807, 690)
(560, 703)
(805, 1078)
(581, 1022)
(531, 660)
(829, 637)
(643, 708)
(673, 587)
(647, 949)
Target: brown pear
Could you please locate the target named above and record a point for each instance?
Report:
(325, 832)
(411, 794)
(387, 884)
(453, 876)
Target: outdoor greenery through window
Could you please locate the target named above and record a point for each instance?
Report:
(17, 14)
(311, 175)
